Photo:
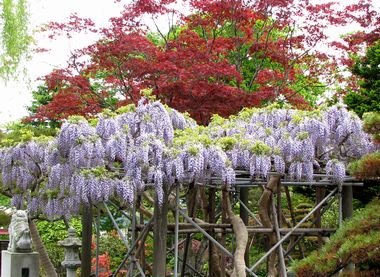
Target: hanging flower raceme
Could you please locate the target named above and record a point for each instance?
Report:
(23, 169)
(72, 132)
(336, 169)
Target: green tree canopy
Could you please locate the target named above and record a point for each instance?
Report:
(366, 99)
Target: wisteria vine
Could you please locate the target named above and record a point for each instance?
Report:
(121, 153)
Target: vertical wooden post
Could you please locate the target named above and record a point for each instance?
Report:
(142, 242)
(159, 234)
(176, 230)
(244, 215)
(132, 265)
(347, 210)
(97, 240)
(211, 219)
(347, 202)
(290, 206)
(223, 237)
(279, 208)
(86, 240)
(191, 207)
(320, 193)
(244, 198)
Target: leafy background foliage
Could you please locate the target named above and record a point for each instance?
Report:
(15, 38)
(366, 98)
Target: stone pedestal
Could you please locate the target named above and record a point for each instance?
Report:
(19, 264)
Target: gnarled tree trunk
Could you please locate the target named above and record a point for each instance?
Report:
(241, 235)
(40, 248)
(264, 213)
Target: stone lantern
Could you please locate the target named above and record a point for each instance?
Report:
(71, 245)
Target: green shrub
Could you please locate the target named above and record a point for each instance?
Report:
(112, 244)
(367, 167)
(51, 233)
(5, 201)
(5, 219)
(356, 241)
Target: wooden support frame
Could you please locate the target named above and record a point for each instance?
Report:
(185, 225)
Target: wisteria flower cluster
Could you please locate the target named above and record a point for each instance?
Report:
(150, 145)
(116, 155)
(292, 142)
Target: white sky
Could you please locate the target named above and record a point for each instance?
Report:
(16, 95)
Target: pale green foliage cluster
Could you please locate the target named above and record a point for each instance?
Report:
(17, 132)
(15, 38)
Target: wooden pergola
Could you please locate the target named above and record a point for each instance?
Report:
(268, 219)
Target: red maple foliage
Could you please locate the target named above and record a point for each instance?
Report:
(220, 57)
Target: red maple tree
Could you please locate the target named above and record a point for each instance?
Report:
(220, 57)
